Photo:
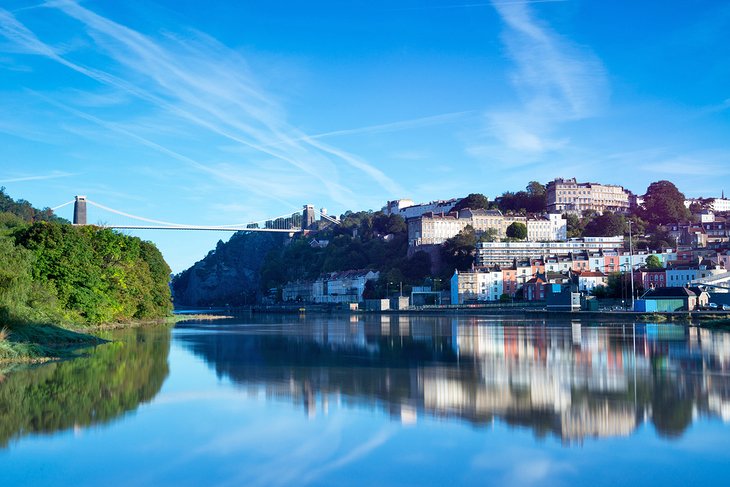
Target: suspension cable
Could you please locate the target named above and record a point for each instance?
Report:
(61, 206)
(149, 220)
(159, 222)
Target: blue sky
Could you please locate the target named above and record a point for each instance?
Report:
(228, 112)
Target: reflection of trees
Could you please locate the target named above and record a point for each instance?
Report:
(572, 382)
(113, 379)
(671, 406)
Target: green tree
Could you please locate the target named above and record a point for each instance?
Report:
(417, 267)
(474, 201)
(535, 189)
(24, 210)
(664, 203)
(532, 200)
(574, 224)
(97, 275)
(662, 239)
(606, 225)
(517, 230)
(653, 262)
(458, 252)
(491, 235)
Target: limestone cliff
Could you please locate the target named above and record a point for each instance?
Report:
(228, 275)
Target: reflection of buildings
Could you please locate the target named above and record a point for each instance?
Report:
(573, 381)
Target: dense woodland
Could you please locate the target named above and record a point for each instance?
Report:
(53, 272)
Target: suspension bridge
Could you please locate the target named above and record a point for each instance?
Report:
(289, 223)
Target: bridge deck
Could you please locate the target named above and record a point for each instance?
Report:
(214, 229)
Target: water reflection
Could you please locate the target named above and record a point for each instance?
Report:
(113, 379)
(572, 380)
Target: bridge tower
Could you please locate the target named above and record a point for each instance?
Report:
(308, 216)
(80, 210)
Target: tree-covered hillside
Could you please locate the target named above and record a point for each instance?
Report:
(53, 272)
(364, 240)
(246, 267)
(25, 211)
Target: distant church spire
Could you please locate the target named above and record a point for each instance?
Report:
(723, 194)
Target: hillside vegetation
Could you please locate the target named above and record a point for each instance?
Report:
(249, 265)
(364, 240)
(54, 273)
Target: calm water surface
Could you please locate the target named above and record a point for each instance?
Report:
(282, 400)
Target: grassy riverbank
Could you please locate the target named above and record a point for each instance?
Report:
(33, 343)
(61, 284)
(39, 343)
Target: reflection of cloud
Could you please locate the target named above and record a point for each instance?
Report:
(523, 466)
(530, 472)
(313, 457)
(355, 454)
(213, 395)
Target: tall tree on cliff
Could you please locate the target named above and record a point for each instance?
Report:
(664, 203)
(458, 252)
(517, 230)
(474, 201)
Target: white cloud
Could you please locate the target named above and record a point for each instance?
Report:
(36, 177)
(556, 81)
(686, 166)
(204, 85)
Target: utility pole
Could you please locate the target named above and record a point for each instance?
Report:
(631, 266)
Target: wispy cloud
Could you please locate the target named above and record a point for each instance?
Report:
(720, 107)
(687, 166)
(37, 177)
(397, 126)
(203, 84)
(244, 180)
(478, 4)
(555, 80)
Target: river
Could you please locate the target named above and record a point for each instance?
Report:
(376, 400)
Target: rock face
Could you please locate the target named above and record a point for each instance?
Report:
(228, 275)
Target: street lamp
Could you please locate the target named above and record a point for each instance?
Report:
(631, 268)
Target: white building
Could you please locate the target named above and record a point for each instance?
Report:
(558, 264)
(570, 196)
(683, 275)
(553, 227)
(408, 209)
(297, 291)
(590, 280)
(342, 287)
(720, 204)
(482, 284)
(596, 261)
(714, 204)
(435, 229)
(504, 253)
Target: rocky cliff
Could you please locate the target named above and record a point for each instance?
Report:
(228, 275)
